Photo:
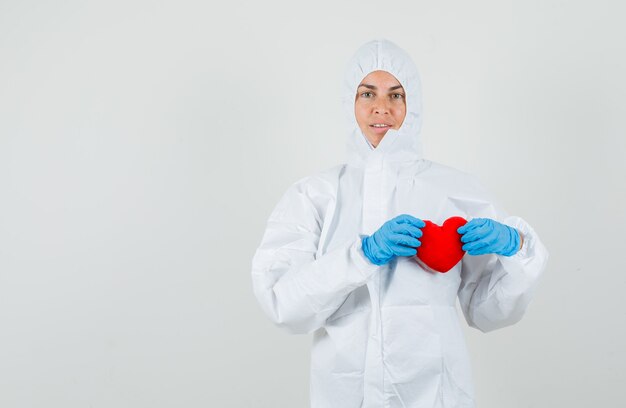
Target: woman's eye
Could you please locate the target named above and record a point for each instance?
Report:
(365, 94)
(398, 96)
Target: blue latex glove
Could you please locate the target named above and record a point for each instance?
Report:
(396, 237)
(486, 236)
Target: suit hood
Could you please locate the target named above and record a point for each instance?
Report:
(403, 144)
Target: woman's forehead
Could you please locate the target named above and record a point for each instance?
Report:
(380, 78)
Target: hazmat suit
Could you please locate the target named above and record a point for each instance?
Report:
(387, 336)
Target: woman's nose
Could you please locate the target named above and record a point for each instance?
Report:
(381, 108)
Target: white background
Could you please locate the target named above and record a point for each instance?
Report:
(144, 144)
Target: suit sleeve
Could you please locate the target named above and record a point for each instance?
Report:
(297, 290)
(496, 290)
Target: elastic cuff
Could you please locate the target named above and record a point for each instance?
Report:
(528, 233)
(363, 264)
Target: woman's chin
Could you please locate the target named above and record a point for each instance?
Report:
(375, 139)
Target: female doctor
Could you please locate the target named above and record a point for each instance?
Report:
(337, 258)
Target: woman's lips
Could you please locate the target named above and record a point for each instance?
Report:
(380, 130)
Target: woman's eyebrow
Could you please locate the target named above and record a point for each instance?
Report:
(373, 87)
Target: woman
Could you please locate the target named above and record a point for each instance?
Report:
(337, 257)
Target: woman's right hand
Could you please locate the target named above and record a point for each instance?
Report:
(397, 237)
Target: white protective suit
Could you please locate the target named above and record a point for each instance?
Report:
(386, 336)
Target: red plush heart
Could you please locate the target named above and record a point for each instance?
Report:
(441, 247)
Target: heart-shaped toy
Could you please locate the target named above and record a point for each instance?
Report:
(441, 247)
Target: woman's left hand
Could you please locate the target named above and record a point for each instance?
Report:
(486, 236)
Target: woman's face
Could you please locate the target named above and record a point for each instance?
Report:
(379, 105)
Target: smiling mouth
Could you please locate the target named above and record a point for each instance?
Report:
(380, 126)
